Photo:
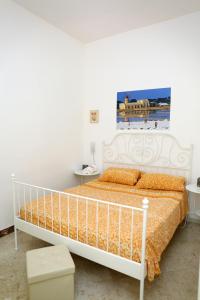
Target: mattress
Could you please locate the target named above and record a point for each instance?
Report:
(166, 211)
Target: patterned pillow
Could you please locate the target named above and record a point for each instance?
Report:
(120, 175)
(161, 182)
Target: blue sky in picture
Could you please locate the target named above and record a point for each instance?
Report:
(145, 94)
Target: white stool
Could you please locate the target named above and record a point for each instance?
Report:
(50, 273)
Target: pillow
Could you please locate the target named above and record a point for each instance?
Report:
(120, 175)
(161, 182)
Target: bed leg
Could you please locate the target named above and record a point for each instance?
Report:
(186, 220)
(142, 289)
(14, 207)
(184, 223)
(15, 232)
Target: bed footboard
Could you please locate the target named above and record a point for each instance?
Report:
(29, 198)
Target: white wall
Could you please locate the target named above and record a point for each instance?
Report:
(41, 93)
(40, 96)
(161, 55)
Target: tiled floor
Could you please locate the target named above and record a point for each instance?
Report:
(178, 280)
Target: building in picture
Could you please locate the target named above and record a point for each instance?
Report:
(140, 104)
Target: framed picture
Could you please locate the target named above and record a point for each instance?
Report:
(144, 109)
(94, 116)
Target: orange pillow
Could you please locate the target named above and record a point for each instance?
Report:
(161, 182)
(120, 175)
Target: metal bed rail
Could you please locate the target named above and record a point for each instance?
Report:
(29, 193)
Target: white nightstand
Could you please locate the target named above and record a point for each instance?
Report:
(194, 189)
(84, 176)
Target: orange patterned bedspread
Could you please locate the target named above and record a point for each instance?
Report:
(166, 211)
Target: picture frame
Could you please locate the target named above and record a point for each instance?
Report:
(94, 116)
(144, 109)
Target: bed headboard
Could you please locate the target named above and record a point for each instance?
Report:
(150, 152)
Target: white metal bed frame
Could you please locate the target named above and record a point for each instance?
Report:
(152, 152)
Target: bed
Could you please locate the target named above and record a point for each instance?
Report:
(107, 222)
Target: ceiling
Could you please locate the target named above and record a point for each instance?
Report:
(90, 20)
